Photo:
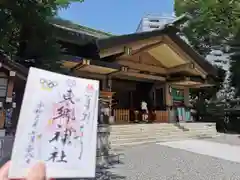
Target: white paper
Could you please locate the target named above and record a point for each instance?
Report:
(57, 125)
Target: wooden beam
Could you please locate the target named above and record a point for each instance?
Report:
(109, 52)
(204, 85)
(185, 78)
(88, 75)
(190, 82)
(146, 76)
(111, 65)
(183, 54)
(134, 46)
(180, 68)
(81, 64)
(20, 72)
(140, 76)
(86, 62)
(146, 48)
(142, 67)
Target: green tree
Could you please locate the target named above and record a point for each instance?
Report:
(210, 92)
(25, 31)
(213, 24)
(235, 64)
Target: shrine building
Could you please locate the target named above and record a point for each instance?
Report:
(157, 67)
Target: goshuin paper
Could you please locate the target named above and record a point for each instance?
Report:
(57, 125)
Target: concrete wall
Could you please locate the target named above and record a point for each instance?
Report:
(6, 144)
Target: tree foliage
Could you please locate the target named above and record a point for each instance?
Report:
(235, 64)
(214, 22)
(25, 31)
(210, 92)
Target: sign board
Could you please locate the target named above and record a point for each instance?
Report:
(57, 125)
(177, 94)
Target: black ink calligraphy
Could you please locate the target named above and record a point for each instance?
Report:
(56, 134)
(64, 118)
(68, 96)
(54, 155)
(62, 157)
(89, 92)
(33, 134)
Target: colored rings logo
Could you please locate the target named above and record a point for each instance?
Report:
(48, 84)
(71, 83)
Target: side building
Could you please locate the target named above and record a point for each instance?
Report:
(153, 22)
(13, 75)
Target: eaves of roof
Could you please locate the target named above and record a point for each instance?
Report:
(168, 30)
(69, 26)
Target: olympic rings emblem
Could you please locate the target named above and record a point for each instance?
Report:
(71, 83)
(48, 84)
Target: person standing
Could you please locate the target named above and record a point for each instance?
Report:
(144, 111)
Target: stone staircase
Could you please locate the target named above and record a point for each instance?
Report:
(136, 134)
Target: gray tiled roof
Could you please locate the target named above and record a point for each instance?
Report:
(70, 26)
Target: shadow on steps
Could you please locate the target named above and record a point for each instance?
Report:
(180, 127)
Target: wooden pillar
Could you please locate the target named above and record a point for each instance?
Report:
(104, 84)
(109, 88)
(186, 96)
(9, 98)
(4, 85)
(169, 102)
(153, 95)
(187, 104)
(109, 83)
(9, 110)
(168, 96)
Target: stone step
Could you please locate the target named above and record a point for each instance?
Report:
(149, 133)
(136, 134)
(145, 131)
(154, 134)
(117, 145)
(147, 138)
(120, 141)
(141, 134)
(114, 146)
(162, 125)
(198, 125)
(152, 131)
(145, 126)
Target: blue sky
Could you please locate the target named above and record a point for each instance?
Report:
(115, 16)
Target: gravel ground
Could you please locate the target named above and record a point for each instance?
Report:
(158, 162)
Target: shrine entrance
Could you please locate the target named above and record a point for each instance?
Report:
(129, 95)
(143, 67)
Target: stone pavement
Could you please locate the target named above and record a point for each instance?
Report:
(161, 162)
(232, 139)
(199, 159)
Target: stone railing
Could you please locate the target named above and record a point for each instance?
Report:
(104, 155)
